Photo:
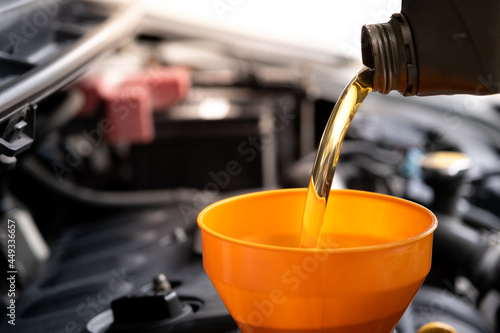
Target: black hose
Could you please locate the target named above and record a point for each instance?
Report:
(113, 199)
(481, 218)
(468, 252)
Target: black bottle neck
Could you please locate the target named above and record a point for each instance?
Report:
(436, 48)
(388, 49)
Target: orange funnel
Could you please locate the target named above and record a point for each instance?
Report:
(377, 252)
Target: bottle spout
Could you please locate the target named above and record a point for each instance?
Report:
(436, 48)
(388, 50)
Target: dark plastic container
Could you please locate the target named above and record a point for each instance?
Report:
(436, 47)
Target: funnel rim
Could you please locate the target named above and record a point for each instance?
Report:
(370, 248)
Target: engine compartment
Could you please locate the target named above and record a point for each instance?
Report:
(127, 155)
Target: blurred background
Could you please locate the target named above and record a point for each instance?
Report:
(147, 112)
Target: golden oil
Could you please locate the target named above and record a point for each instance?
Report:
(327, 156)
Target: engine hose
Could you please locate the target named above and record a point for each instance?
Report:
(461, 246)
(114, 199)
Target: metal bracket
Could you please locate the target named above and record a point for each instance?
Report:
(17, 131)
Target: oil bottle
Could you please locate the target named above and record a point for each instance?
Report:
(435, 48)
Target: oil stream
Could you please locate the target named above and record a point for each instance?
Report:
(327, 156)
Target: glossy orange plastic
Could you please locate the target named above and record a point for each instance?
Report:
(376, 253)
